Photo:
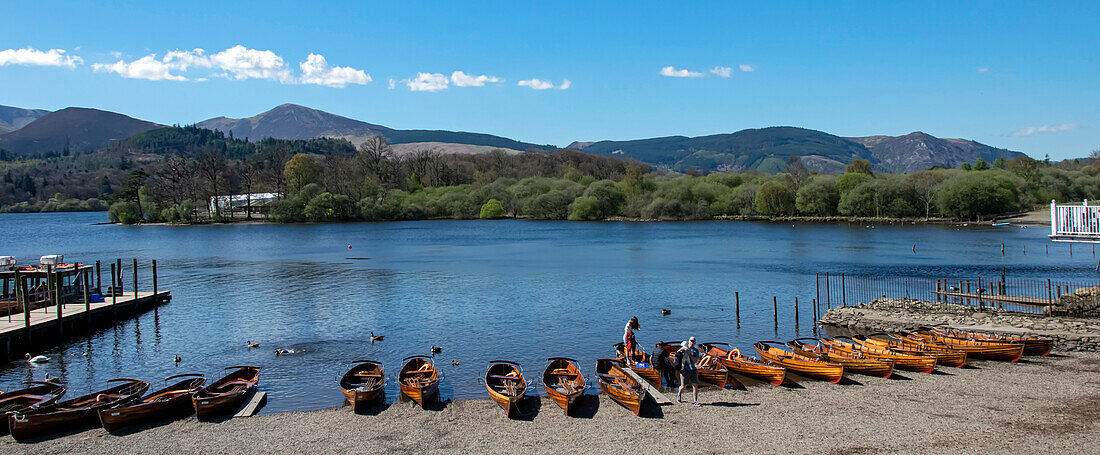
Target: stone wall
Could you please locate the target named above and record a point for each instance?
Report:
(884, 315)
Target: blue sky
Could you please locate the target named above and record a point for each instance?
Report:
(1020, 75)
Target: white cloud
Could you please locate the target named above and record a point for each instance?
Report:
(316, 70)
(722, 71)
(565, 84)
(983, 70)
(147, 67)
(461, 79)
(393, 83)
(241, 63)
(537, 84)
(427, 82)
(746, 68)
(673, 72)
(181, 60)
(34, 57)
(1045, 129)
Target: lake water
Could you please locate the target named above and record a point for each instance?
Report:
(480, 289)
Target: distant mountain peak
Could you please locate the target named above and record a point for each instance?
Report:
(76, 129)
(13, 118)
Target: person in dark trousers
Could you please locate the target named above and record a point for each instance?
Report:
(629, 342)
(663, 364)
(687, 356)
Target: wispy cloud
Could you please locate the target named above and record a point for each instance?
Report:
(393, 83)
(33, 57)
(539, 84)
(316, 70)
(147, 67)
(722, 71)
(242, 63)
(670, 71)
(461, 79)
(746, 68)
(427, 82)
(983, 70)
(1045, 129)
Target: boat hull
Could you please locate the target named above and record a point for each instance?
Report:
(991, 350)
(624, 389)
(28, 426)
(824, 371)
(420, 394)
(563, 382)
(116, 419)
(212, 407)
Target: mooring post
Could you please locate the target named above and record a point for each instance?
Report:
(1002, 249)
(1004, 286)
(135, 283)
(98, 282)
(87, 300)
(154, 280)
(1050, 300)
(814, 305)
(828, 302)
(737, 307)
(796, 313)
(775, 310)
(981, 304)
(817, 286)
(968, 292)
(114, 293)
(1071, 249)
(843, 291)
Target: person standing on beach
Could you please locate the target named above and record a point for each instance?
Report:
(629, 342)
(663, 363)
(688, 356)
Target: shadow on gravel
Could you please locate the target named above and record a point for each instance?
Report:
(586, 406)
(940, 372)
(139, 427)
(730, 404)
(849, 381)
(374, 408)
(898, 377)
(970, 367)
(1056, 356)
(651, 410)
(435, 403)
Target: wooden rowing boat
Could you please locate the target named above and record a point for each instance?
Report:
(228, 394)
(745, 365)
(419, 379)
(708, 367)
(944, 355)
(75, 413)
(812, 367)
(853, 361)
(506, 385)
(643, 364)
(363, 383)
(909, 362)
(1032, 345)
(170, 403)
(563, 382)
(619, 386)
(38, 395)
(993, 350)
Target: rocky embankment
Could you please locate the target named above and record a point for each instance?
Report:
(884, 315)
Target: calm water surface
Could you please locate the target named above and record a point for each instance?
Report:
(480, 289)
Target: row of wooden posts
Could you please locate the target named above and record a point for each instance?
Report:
(53, 287)
(775, 311)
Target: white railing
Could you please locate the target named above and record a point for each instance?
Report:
(1075, 220)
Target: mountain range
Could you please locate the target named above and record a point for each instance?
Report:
(765, 149)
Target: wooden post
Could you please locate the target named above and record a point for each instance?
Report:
(26, 309)
(154, 278)
(87, 300)
(135, 281)
(775, 310)
(1050, 299)
(1004, 287)
(98, 282)
(737, 307)
(968, 292)
(114, 292)
(843, 291)
(796, 313)
(828, 302)
(118, 277)
(981, 304)
(1002, 249)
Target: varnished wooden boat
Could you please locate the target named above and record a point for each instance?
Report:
(563, 382)
(639, 356)
(75, 413)
(708, 367)
(170, 403)
(777, 353)
(506, 385)
(745, 365)
(992, 350)
(619, 386)
(945, 356)
(363, 383)
(419, 379)
(227, 394)
(853, 361)
(1032, 345)
(909, 362)
(39, 395)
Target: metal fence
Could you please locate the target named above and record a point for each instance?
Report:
(1020, 295)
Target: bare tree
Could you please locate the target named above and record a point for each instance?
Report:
(249, 172)
(174, 179)
(211, 164)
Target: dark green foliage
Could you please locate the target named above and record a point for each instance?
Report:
(491, 210)
(586, 208)
(977, 194)
(775, 199)
(819, 197)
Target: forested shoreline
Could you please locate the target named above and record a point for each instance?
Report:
(169, 174)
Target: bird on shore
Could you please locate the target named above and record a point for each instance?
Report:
(36, 359)
(454, 363)
(374, 337)
(666, 312)
(177, 359)
(252, 345)
(436, 349)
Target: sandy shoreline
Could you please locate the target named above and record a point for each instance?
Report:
(1038, 405)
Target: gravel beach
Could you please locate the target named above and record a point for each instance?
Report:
(1040, 405)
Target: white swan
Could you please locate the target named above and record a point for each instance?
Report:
(36, 359)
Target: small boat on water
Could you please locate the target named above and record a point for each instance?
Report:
(812, 367)
(643, 363)
(563, 381)
(1032, 345)
(38, 395)
(419, 379)
(619, 386)
(708, 367)
(944, 355)
(170, 403)
(853, 361)
(909, 362)
(227, 394)
(745, 365)
(992, 350)
(363, 383)
(75, 413)
(506, 385)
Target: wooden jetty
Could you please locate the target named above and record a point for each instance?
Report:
(659, 397)
(48, 303)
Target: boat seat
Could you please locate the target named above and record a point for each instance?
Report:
(364, 374)
(561, 371)
(497, 376)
